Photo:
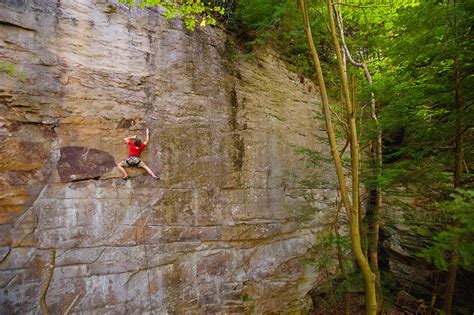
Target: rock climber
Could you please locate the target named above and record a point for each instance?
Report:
(133, 160)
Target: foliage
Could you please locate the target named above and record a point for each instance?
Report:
(422, 71)
(326, 261)
(326, 246)
(261, 15)
(458, 237)
(193, 12)
(416, 87)
(410, 48)
(260, 22)
(420, 56)
(335, 286)
(11, 70)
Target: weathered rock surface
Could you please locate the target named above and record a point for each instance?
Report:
(220, 233)
(79, 163)
(406, 232)
(403, 240)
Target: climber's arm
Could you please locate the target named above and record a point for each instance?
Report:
(147, 137)
(128, 138)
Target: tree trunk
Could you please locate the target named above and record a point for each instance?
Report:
(377, 210)
(326, 110)
(377, 156)
(340, 259)
(457, 182)
(451, 285)
(352, 209)
(458, 140)
(369, 277)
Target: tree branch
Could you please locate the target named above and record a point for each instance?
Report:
(68, 310)
(344, 124)
(344, 148)
(44, 288)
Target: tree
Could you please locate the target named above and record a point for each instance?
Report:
(351, 206)
(375, 154)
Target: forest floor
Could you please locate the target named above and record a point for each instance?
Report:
(355, 310)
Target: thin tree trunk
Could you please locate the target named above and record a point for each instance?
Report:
(352, 209)
(377, 148)
(364, 226)
(47, 281)
(375, 230)
(451, 285)
(458, 140)
(68, 310)
(457, 182)
(340, 259)
(326, 111)
(369, 277)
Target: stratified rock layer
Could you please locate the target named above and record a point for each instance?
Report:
(222, 232)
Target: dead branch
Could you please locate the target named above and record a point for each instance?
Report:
(344, 148)
(44, 288)
(343, 123)
(72, 304)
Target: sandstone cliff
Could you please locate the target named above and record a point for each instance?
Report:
(221, 232)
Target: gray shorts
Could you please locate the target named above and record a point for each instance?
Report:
(125, 164)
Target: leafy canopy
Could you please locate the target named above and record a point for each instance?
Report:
(193, 12)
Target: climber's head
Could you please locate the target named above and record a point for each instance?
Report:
(137, 142)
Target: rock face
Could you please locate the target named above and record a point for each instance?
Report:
(79, 163)
(222, 232)
(402, 242)
(405, 235)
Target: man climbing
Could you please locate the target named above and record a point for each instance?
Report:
(133, 160)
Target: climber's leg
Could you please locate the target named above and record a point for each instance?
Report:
(120, 166)
(142, 164)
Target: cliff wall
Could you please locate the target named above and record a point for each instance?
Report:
(223, 231)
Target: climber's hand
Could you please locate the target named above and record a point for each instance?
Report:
(147, 138)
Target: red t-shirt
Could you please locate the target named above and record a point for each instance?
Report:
(135, 151)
